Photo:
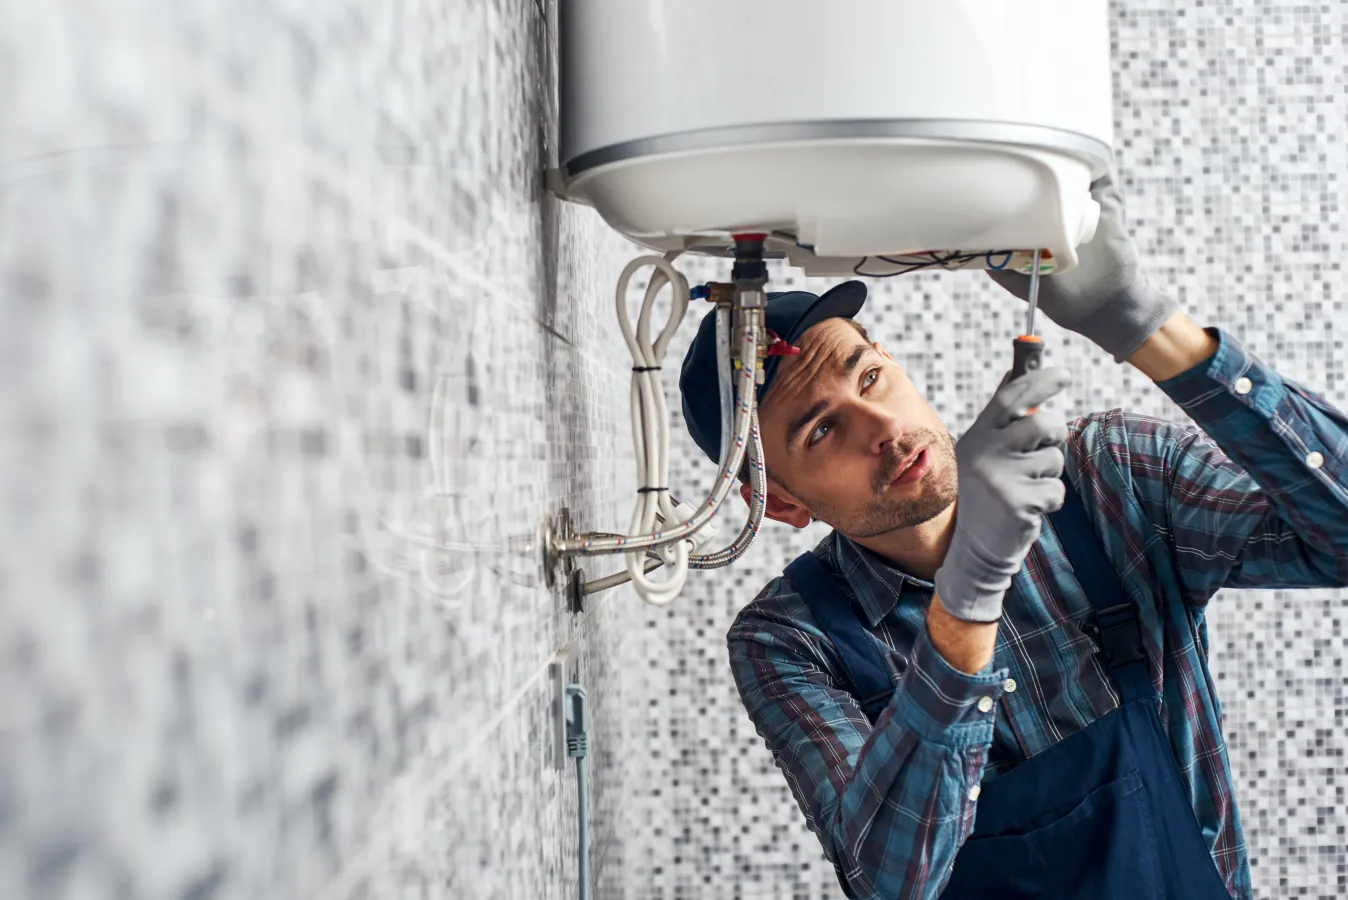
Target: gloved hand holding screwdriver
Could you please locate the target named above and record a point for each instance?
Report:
(1010, 463)
(1010, 468)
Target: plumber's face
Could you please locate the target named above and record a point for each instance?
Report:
(848, 439)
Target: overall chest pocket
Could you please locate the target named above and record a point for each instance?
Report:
(1101, 848)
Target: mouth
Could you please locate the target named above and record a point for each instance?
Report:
(912, 467)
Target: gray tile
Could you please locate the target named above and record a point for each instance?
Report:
(284, 302)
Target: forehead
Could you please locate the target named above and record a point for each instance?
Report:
(825, 349)
(829, 336)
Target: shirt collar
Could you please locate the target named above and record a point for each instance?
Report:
(875, 581)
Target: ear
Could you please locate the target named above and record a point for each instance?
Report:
(780, 507)
(882, 351)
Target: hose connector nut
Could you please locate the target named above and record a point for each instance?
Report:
(749, 270)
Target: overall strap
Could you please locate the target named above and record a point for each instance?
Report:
(834, 613)
(1120, 632)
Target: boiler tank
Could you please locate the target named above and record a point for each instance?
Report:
(856, 133)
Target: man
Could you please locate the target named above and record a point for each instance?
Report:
(995, 685)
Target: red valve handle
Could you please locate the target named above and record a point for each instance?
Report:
(779, 347)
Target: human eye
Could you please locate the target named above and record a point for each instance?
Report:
(819, 433)
(870, 377)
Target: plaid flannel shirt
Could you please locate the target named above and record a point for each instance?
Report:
(1255, 497)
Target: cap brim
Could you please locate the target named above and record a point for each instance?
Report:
(844, 300)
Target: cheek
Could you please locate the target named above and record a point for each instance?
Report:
(837, 478)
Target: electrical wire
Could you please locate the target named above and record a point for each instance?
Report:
(758, 493)
(943, 262)
(758, 496)
(1005, 262)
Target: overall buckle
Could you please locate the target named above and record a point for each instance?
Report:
(1120, 635)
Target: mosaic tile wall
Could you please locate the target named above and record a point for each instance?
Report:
(295, 353)
(1231, 122)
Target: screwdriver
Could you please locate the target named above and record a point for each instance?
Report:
(1029, 347)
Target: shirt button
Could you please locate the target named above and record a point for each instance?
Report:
(975, 791)
(1010, 686)
(1315, 459)
(984, 704)
(1244, 385)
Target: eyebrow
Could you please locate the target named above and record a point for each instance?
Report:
(854, 358)
(800, 421)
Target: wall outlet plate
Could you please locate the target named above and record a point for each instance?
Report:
(561, 672)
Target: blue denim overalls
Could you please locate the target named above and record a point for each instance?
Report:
(1100, 815)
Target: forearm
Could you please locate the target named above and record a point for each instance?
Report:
(966, 646)
(882, 797)
(910, 795)
(1175, 347)
(1288, 488)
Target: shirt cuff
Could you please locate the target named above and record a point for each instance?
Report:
(944, 705)
(1232, 375)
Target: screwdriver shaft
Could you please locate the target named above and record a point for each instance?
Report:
(1034, 295)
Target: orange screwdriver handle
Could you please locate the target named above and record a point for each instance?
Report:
(1028, 356)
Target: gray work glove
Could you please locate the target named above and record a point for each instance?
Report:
(1009, 466)
(1106, 298)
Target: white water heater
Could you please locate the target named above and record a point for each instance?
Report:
(862, 136)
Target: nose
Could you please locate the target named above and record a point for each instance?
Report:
(877, 427)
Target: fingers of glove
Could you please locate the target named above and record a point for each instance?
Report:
(1104, 183)
(1017, 397)
(1027, 434)
(1047, 495)
(1043, 464)
(1033, 390)
(1105, 191)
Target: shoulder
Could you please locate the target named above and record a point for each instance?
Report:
(1110, 445)
(776, 607)
(1117, 430)
(778, 618)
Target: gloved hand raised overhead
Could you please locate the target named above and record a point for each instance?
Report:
(1106, 298)
(1010, 465)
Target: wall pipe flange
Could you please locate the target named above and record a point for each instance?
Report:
(557, 566)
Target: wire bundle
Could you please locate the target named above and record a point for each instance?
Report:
(932, 260)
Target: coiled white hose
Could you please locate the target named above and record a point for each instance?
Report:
(592, 545)
(650, 426)
(650, 435)
(684, 529)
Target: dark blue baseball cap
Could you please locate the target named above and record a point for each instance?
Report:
(789, 315)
